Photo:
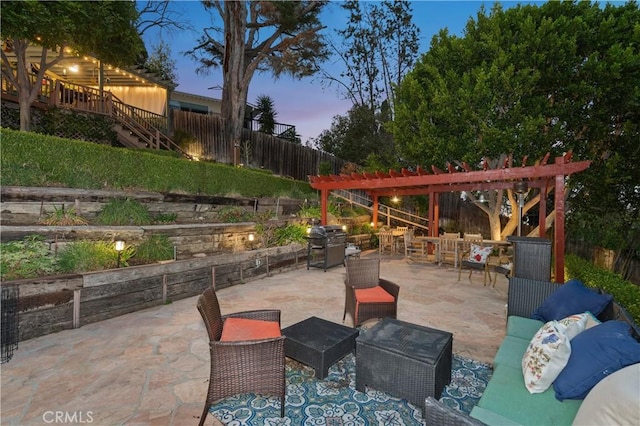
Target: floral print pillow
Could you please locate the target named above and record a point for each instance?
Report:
(479, 254)
(549, 351)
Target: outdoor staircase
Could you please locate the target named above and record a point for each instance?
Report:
(135, 128)
(398, 216)
(127, 138)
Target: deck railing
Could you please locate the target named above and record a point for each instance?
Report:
(150, 128)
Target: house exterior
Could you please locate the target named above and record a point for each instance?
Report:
(183, 101)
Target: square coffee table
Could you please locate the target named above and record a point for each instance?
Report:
(318, 343)
(406, 360)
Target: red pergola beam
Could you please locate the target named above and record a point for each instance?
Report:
(489, 176)
(485, 186)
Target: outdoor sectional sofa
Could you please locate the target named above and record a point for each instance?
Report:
(506, 400)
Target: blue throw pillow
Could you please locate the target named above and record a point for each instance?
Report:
(596, 353)
(569, 299)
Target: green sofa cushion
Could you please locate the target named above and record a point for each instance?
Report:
(490, 418)
(510, 352)
(507, 396)
(524, 328)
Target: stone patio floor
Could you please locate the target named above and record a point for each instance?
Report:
(151, 367)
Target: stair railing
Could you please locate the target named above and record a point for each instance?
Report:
(391, 213)
(82, 98)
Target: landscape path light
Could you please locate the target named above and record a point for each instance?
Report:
(119, 248)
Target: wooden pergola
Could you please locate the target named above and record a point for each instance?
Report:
(543, 176)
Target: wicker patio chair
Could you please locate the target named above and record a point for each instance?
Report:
(465, 262)
(366, 294)
(437, 413)
(252, 365)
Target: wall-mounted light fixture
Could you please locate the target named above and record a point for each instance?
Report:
(119, 248)
(395, 199)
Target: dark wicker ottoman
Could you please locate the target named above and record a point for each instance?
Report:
(406, 360)
(318, 343)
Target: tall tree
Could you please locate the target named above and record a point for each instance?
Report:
(379, 46)
(358, 136)
(280, 37)
(161, 63)
(64, 28)
(529, 80)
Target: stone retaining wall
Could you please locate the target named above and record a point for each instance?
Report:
(29, 205)
(51, 304)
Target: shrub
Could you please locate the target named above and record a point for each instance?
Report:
(74, 125)
(87, 256)
(273, 235)
(291, 233)
(165, 218)
(364, 228)
(124, 211)
(63, 217)
(234, 215)
(28, 258)
(309, 212)
(154, 248)
(324, 168)
(624, 292)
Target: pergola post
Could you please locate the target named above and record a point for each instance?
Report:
(434, 213)
(559, 225)
(374, 216)
(542, 211)
(324, 202)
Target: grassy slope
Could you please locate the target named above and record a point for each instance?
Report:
(30, 159)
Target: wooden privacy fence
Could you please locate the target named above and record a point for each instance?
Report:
(257, 150)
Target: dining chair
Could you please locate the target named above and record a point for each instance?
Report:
(412, 249)
(501, 264)
(246, 352)
(474, 256)
(448, 247)
(399, 240)
(385, 241)
(366, 294)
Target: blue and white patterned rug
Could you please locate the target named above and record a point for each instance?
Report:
(334, 401)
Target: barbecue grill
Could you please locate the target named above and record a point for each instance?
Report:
(325, 247)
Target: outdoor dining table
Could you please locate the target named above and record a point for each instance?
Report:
(425, 240)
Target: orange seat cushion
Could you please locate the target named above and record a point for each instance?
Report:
(373, 295)
(237, 329)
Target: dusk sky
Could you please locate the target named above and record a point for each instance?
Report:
(304, 103)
